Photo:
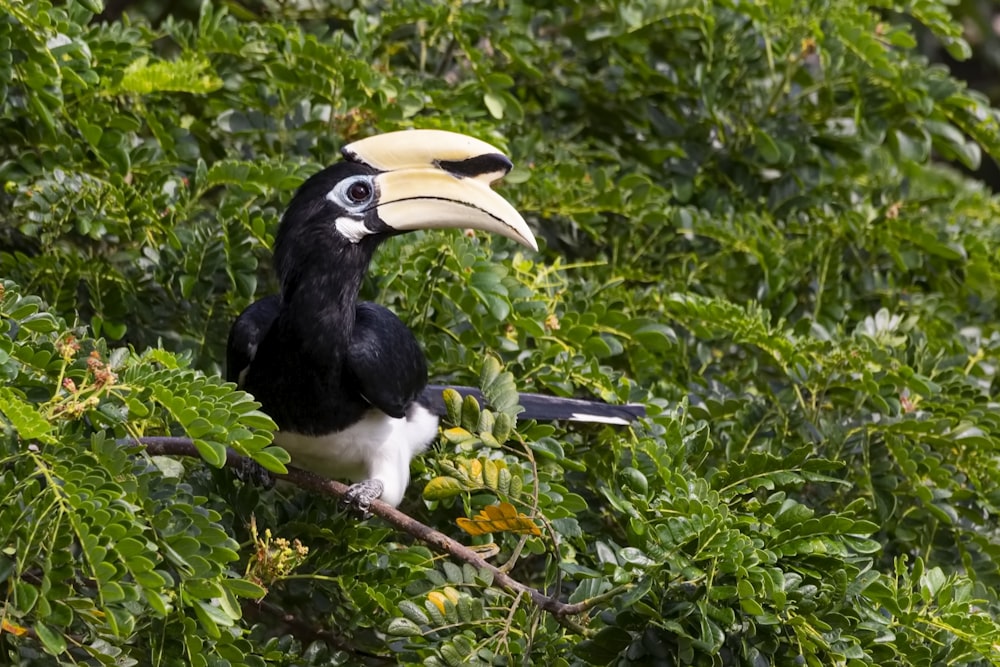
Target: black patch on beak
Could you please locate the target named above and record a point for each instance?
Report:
(490, 163)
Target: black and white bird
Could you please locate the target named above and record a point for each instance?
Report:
(345, 380)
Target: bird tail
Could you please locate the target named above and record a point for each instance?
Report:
(546, 408)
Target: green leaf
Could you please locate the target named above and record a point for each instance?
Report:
(54, 642)
(27, 596)
(257, 419)
(413, 612)
(495, 104)
(209, 617)
(213, 452)
(767, 146)
(244, 588)
(453, 404)
(440, 488)
(470, 413)
(403, 627)
(91, 132)
(274, 459)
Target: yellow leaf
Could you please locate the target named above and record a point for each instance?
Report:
(491, 473)
(458, 436)
(438, 599)
(16, 630)
(502, 518)
(476, 471)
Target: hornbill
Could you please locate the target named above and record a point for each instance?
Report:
(345, 380)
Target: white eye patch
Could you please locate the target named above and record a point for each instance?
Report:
(352, 229)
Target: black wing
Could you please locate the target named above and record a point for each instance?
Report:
(547, 408)
(386, 360)
(246, 334)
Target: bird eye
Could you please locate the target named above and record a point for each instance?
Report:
(354, 194)
(359, 192)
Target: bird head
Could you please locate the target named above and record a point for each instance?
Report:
(398, 182)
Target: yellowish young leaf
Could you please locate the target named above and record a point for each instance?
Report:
(438, 599)
(502, 518)
(476, 471)
(16, 630)
(458, 436)
(491, 473)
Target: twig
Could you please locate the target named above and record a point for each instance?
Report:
(562, 611)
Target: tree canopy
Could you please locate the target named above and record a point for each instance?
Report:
(750, 219)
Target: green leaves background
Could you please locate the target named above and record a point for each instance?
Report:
(747, 223)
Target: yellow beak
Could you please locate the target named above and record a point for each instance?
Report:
(432, 179)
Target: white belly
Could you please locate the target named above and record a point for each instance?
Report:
(377, 447)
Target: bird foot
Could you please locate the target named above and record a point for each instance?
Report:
(360, 495)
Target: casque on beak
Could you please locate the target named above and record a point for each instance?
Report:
(432, 179)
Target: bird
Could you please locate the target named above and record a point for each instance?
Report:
(344, 379)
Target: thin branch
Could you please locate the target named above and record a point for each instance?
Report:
(562, 611)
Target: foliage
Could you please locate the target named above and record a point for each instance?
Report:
(747, 223)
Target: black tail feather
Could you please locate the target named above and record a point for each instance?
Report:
(546, 408)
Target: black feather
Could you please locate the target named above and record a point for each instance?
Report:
(386, 360)
(246, 333)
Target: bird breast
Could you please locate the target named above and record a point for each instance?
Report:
(376, 447)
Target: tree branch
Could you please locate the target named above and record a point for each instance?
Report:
(171, 446)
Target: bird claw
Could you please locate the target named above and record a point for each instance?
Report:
(360, 496)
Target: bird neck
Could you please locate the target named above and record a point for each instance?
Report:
(319, 297)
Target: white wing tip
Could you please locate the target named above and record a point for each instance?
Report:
(599, 419)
